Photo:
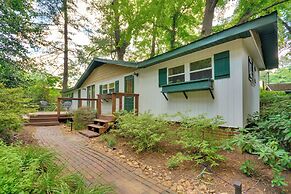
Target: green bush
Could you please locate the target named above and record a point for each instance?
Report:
(177, 159)
(32, 170)
(82, 117)
(269, 136)
(200, 146)
(248, 168)
(110, 139)
(144, 131)
(12, 105)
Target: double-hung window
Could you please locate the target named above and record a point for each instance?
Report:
(201, 69)
(111, 88)
(104, 89)
(176, 74)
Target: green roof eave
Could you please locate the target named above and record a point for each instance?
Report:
(266, 27)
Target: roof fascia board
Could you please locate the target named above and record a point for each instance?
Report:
(257, 42)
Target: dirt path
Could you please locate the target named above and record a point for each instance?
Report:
(93, 165)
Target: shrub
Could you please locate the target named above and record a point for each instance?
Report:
(109, 139)
(248, 168)
(144, 131)
(12, 105)
(32, 170)
(82, 117)
(200, 146)
(177, 159)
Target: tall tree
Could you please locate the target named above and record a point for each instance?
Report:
(66, 51)
(208, 17)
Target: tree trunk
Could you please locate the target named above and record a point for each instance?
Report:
(153, 44)
(65, 73)
(173, 31)
(208, 17)
(285, 24)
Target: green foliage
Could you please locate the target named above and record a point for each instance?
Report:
(269, 134)
(12, 105)
(177, 159)
(144, 131)
(110, 139)
(281, 75)
(82, 117)
(200, 146)
(32, 170)
(248, 168)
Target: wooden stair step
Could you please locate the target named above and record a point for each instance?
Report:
(49, 123)
(102, 120)
(96, 126)
(89, 133)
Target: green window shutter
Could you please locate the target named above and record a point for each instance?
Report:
(100, 89)
(221, 65)
(116, 89)
(162, 77)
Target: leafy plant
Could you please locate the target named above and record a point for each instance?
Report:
(177, 159)
(200, 146)
(248, 168)
(32, 170)
(82, 117)
(144, 131)
(13, 104)
(109, 139)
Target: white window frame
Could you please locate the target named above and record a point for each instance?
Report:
(111, 87)
(169, 76)
(104, 89)
(207, 68)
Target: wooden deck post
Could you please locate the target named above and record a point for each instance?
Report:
(113, 103)
(120, 103)
(136, 103)
(98, 105)
(58, 108)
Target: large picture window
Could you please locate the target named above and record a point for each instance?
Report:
(176, 74)
(201, 69)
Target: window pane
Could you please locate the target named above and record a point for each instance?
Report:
(176, 79)
(201, 74)
(111, 85)
(176, 70)
(200, 64)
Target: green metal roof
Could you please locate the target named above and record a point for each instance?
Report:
(265, 26)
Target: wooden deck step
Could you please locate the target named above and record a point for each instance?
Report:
(89, 133)
(42, 119)
(102, 120)
(96, 126)
(48, 123)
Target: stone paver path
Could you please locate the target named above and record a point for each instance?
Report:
(96, 167)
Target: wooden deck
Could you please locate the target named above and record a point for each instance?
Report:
(47, 118)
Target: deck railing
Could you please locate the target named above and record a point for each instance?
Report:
(100, 97)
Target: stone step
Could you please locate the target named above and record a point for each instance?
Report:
(89, 133)
(50, 123)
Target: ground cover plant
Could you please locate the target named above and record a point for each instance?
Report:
(269, 134)
(82, 117)
(144, 131)
(27, 169)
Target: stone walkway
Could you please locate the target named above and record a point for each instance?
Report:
(94, 166)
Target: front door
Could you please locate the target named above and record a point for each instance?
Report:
(129, 88)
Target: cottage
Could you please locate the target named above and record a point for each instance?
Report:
(216, 75)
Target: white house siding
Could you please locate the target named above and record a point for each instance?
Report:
(228, 100)
(251, 92)
(234, 98)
